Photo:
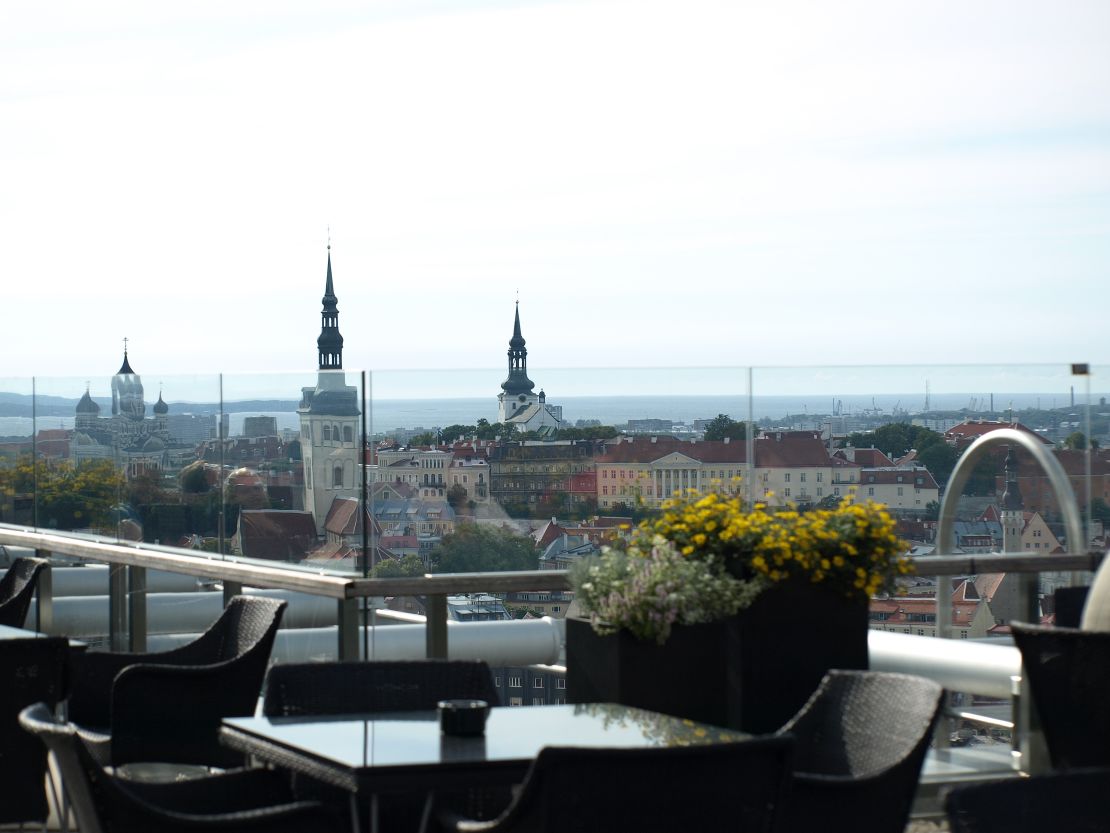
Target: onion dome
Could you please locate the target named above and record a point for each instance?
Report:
(86, 405)
(160, 407)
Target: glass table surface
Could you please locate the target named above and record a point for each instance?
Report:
(513, 734)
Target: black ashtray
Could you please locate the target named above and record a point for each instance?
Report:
(463, 717)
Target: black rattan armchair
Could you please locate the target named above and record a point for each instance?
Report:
(167, 706)
(373, 686)
(1077, 801)
(17, 587)
(722, 786)
(1069, 675)
(243, 800)
(33, 671)
(860, 742)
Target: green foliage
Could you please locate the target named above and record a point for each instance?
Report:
(520, 611)
(456, 497)
(455, 432)
(426, 438)
(68, 496)
(939, 458)
(409, 566)
(1076, 441)
(723, 427)
(932, 510)
(473, 549)
(589, 432)
(896, 438)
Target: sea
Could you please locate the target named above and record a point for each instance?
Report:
(387, 415)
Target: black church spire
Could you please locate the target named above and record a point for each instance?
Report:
(330, 342)
(517, 381)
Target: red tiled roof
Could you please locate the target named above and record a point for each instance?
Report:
(974, 428)
(276, 534)
(343, 518)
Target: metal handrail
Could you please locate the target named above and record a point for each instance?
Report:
(1057, 478)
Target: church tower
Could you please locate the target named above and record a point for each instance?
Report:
(329, 412)
(1012, 515)
(127, 391)
(516, 391)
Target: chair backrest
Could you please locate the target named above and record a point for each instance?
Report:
(247, 624)
(17, 587)
(858, 724)
(34, 671)
(1069, 675)
(720, 786)
(1077, 801)
(373, 686)
(860, 743)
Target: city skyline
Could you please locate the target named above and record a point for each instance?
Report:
(705, 185)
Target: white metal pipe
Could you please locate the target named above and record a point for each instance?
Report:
(517, 642)
(93, 581)
(169, 613)
(958, 665)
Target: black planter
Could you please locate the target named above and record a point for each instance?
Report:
(685, 677)
(781, 647)
(752, 672)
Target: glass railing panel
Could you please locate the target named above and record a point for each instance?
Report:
(17, 442)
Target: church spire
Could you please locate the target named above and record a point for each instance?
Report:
(330, 342)
(1011, 497)
(517, 381)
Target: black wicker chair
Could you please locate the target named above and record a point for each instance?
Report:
(860, 743)
(373, 686)
(17, 587)
(722, 786)
(1069, 675)
(1077, 801)
(244, 800)
(33, 672)
(167, 706)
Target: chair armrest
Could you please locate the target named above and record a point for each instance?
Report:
(299, 817)
(451, 822)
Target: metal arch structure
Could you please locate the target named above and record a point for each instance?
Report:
(1057, 478)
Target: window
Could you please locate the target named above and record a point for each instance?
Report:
(337, 476)
(802, 477)
(516, 701)
(497, 682)
(514, 682)
(327, 433)
(560, 683)
(820, 476)
(899, 491)
(556, 608)
(537, 701)
(537, 682)
(819, 491)
(786, 477)
(871, 491)
(786, 491)
(963, 634)
(348, 434)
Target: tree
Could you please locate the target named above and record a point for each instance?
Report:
(1076, 441)
(455, 432)
(723, 427)
(426, 438)
(73, 497)
(474, 549)
(410, 566)
(456, 497)
(939, 458)
(932, 510)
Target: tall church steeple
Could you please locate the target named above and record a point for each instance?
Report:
(330, 342)
(517, 382)
(1012, 514)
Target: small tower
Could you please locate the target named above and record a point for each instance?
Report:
(329, 412)
(516, 391)
(1012, 514)
(127, 391)
(161, 415)
(88, 412)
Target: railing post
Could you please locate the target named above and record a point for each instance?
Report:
(1028, 742)
(232, 588)
(117, 606)
(136, 609)
(347, 620)
(44, 597)
(435, 609)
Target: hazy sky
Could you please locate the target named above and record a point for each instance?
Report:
(665, 183)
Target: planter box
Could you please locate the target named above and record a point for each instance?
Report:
(753, 672)
(686, 677)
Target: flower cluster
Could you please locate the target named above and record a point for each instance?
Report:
(707, 557)
(852, 549)
(648, 591)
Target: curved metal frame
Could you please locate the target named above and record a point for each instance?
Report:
(1057, 478)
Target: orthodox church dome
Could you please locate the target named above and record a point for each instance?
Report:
(160, 407)
(86, 405)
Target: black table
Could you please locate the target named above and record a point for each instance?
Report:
(405, 751)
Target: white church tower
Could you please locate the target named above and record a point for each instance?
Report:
(330, 441)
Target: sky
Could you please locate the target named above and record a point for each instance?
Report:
(661, 184)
